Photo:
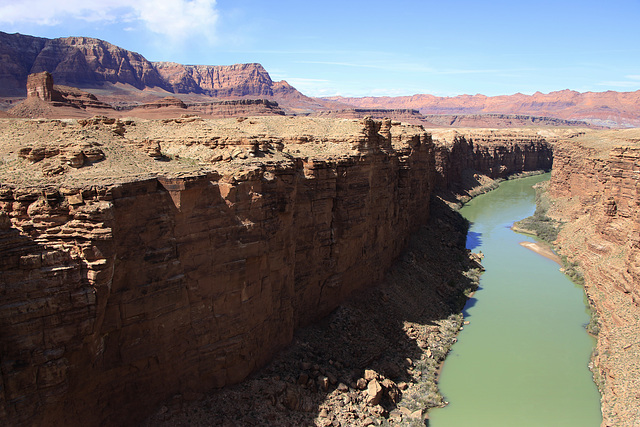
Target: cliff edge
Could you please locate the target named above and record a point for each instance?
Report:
(144, 259)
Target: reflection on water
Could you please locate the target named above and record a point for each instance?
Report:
(522, 360)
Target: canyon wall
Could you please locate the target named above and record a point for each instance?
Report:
(117, 297)
(497, 154)
(595, 187)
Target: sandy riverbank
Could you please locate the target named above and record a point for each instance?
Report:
(543, 250)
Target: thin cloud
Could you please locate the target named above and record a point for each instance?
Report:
(405, 67)
(387, 67)
(177, 20)
(633, 80)
(627, 83)
(303, 80)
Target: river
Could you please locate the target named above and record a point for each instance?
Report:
(522, 359)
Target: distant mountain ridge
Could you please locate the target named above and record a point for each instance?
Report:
(617, 109)
(123, 78)
(91, 63)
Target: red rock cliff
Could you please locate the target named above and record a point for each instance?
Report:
(496, 154)
(118, 296)
(595, 186)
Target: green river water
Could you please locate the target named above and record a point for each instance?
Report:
(522, 360)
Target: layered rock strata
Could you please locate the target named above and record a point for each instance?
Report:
(461, 156)
(238, 108)
(595, 186)
(133, 279)
(92, 63)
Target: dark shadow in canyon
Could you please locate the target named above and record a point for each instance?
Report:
(387, 328)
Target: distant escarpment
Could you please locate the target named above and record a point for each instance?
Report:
(404, 115)
(94, 64)
(217, 81)
(429, 121)
(186, 254)
(499, 121)
(611, 109)
(73, 61)
(595, 187)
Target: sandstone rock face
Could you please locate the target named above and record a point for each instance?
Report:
(169, 101)
(18, 53)
(238, 108)
(40, 85)
(118, 296)
(91, 63)
(491, 153)
(217, 80)
(84, 61)
(596, 186)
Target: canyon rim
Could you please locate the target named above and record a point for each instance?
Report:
(154, 248)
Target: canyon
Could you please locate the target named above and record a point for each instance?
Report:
(148, 259)
(150, 254)
(595, 189)
(127, 278)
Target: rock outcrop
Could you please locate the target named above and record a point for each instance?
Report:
(120, 293)
(43, 97)
(595, 186)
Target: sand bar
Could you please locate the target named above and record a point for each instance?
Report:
(543, 250)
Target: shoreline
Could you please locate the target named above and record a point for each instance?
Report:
(543, 250)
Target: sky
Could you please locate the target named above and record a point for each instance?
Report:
(369, 48)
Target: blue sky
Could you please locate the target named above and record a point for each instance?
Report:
(365, 48)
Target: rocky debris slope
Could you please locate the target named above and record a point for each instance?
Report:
(186, 256)
(595, 187)
(46, 100)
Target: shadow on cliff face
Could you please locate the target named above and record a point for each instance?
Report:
(30, 359)
(373, 360)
